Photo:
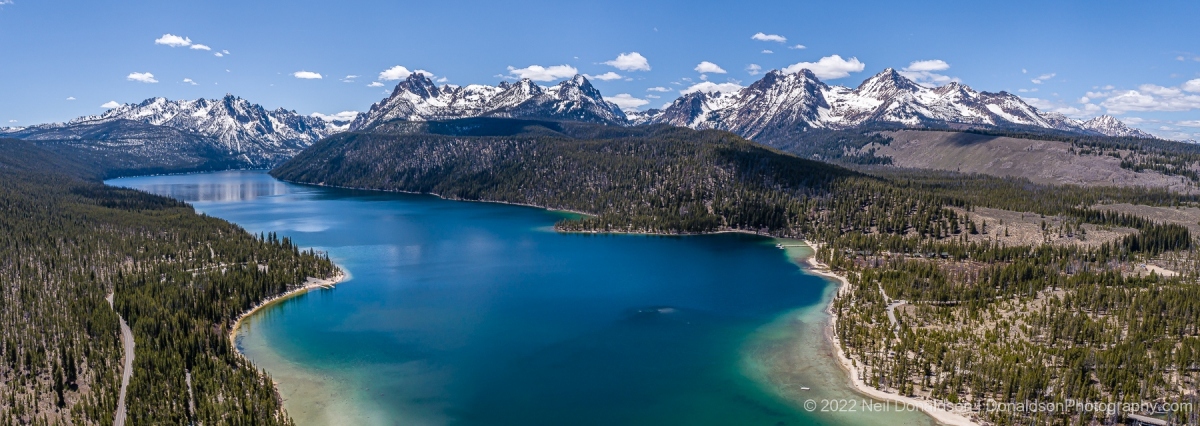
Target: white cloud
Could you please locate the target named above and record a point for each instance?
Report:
(397, 72)
(1149, 97)
(753, 69)
(173, 40)
(658, 89)
(225, 51)
(218, 54)
(605, 77)
(199, 46)
(631, 61)
(709, 87)
(1188, 123)
(110, 105)
(143, 77)
(540, 73)
(626, 101)
(798, 47)
(189, 81)
(70, 98)
(10, 121)
(341, 116)
(375, 84)
(928, 65)
(769, 37)
(1042, 78)
(1191, 86)
(829, 67)
(709, 67)
(349, 78)
(307, 75)
(768, 51)
(922, 72)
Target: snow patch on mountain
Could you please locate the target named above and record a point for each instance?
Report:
(417, 98)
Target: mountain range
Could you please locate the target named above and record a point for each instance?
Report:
(772, 108)
(235, 133)
(780, 104)
(248, 134)
(417, 98)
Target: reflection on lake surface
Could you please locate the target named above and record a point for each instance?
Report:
(474, 314)
(221, 188)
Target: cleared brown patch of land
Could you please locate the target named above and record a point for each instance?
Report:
(1044, 162)
(1022, 228)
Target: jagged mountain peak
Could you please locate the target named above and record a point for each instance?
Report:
(1111, 126)
(572, 99)
(417, 84)
(1105, 120)
(236, 123)
(578, 87)
(887, 83)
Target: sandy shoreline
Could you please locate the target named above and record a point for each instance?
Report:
(311, 283)
(932, 408)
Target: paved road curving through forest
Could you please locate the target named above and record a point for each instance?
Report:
(127, 370)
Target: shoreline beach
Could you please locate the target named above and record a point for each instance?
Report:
(310, 284)
(852, 374)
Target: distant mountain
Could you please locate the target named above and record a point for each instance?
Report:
(1110, 126)
(780, 104)
(418, 99)
(124, 147)
(242, 133)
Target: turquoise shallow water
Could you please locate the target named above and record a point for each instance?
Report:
(464, 313)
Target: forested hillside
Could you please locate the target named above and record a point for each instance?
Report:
(1074, 310)
(178, 278)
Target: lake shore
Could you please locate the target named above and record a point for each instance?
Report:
(932, 408)
(310, 284)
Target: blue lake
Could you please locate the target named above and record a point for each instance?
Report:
(460, 313)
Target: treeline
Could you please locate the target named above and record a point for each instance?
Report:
(177, 277)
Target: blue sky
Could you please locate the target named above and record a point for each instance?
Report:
(1137, 60)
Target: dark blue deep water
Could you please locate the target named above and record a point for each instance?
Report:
(480, 314)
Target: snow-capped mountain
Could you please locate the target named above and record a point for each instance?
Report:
(231, 126)
(235, 122)
(780, 104)
(1110, 126)
(418, 99)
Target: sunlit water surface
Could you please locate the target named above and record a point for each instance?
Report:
(462, 313)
